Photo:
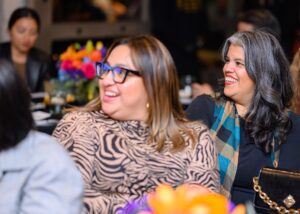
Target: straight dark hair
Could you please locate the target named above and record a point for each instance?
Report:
(23, 12)
(15, 116)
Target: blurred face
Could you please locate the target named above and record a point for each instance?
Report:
(24, 34)
(127, 100)
(238, 85)
(244, 26)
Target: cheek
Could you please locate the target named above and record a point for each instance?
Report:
(251, 87)
(135, 92)
(100, 87)
(248, 83)
(32, 39)
(246, 78)
(16, 37)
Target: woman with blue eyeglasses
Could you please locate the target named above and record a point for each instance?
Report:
(134, 136)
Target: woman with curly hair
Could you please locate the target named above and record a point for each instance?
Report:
(249, 120)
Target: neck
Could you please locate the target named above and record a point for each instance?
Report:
(18, 56)
(241, 109)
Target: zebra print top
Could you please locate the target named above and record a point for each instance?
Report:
(118, 165)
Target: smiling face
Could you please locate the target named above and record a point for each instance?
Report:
(123, 101)
(238, 85)
(24, 34)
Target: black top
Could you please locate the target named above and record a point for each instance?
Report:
(251, 158)
(38, 66)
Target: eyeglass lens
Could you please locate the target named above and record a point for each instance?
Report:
(118, 73)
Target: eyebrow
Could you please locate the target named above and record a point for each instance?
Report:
(120, 66)
(240, 59)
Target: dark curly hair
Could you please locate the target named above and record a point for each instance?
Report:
(267, 118)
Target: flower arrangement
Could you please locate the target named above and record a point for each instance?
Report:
(77, 70)
(185, 199)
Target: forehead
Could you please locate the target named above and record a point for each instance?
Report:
(26, 22)
(236, 50)
(120, 55)
(120, 50)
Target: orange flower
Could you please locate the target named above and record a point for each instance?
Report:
(95, 56)
(189, 199)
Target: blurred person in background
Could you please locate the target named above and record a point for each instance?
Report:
(250, 20)
(37, 175)
(32, 64)
(259, 19)
(288, 15)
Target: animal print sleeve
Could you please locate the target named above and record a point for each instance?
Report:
(62, 133)
(203, 167)
(100, 202)
(78, 135)
(73, 132)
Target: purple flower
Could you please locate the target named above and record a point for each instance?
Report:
(231, 206)
(135, 206)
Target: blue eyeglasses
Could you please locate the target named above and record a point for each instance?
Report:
(118, 74)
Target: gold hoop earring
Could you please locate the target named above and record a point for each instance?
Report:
(147, 105)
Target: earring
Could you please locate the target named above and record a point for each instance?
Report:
(147, 105)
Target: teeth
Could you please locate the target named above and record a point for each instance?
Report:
(230, 79)
(110, 94)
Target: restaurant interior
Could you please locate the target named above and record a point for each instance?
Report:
(193, 31)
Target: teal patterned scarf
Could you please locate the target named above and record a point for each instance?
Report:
(226, 134)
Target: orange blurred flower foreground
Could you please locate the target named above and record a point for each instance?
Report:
(185, 199)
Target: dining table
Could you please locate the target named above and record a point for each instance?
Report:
(45, 116)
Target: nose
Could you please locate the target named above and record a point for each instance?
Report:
(28, 38)
(228, 67)
(107, 78)
(27, 35)
(27, 41)
(225, 67)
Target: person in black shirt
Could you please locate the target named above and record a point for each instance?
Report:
(32, 64)
(251, 113)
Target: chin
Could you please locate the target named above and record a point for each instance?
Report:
(25, 50)
(226, 93)
(112, 112)
(115, 116)
(107, 109)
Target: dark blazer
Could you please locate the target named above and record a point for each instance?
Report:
(38, 66)
(251, 158)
